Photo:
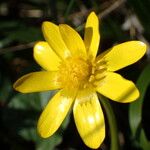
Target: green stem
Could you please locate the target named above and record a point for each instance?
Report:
(112, 123)
(68, 9)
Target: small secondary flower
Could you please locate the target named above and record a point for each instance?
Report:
(70, 64)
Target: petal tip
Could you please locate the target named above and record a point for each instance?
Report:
(96, 144)
(16, 87)
(45, 23)
(39, 47)
(137, 95)
(143, 45)
(92, 13)
(62, 25)
(42, 133)
(42, 129)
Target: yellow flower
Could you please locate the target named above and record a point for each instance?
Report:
(71, 66)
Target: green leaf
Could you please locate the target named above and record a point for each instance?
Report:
(30, 134)
(145, 144)
(26, 101)
(50, 143)
(45, 97)
(112, 123)
(135, 109)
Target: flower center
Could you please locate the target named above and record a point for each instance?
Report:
(77, 73)
(74, 73)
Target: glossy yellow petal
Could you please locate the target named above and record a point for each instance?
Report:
(117, 88)
(89, 119)
(37, 81)
(73, 41)
(92, 36)
(54, 114)
(124, 54)
(46, 57)
(53, 37)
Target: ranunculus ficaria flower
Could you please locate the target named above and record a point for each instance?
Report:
(70, 65)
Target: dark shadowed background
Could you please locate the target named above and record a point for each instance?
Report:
(20, 28)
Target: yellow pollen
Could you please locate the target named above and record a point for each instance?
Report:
(74, 73)
(77, 73)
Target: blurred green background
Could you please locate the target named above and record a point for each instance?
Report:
(20, 28)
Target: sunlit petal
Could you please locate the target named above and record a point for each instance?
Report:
(38, 81)
(73, 41)
(46, 57)
(92, 36)
(118, 89)
(53, 37)
(54, 114)
(124, 54)
(89, 118)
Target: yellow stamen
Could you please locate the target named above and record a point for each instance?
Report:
(74, 73)
(77, 73)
